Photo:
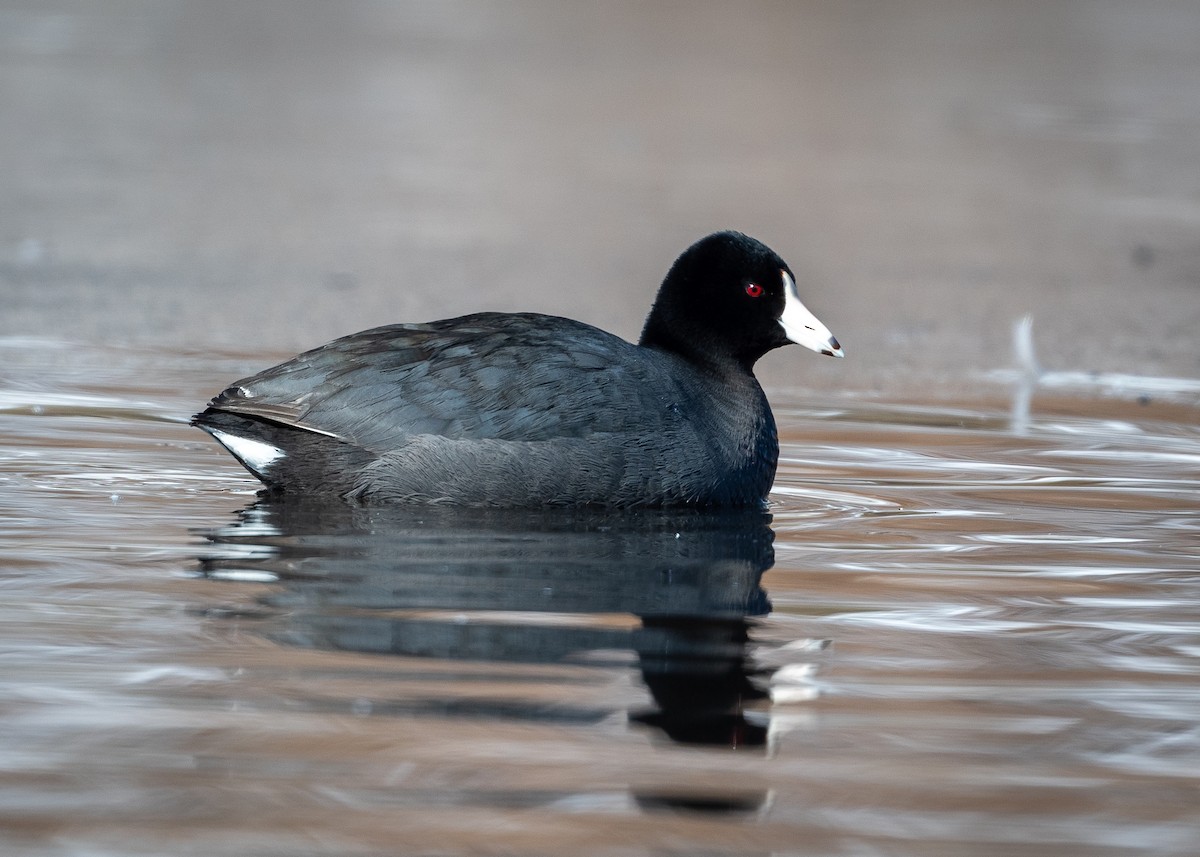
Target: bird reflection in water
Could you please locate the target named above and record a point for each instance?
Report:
(400, 580)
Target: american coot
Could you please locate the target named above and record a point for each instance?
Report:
(496, 409)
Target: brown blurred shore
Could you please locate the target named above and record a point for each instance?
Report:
(263, 177)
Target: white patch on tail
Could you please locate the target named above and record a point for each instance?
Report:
(255, 454)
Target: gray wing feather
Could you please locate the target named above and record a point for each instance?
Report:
(531, 378)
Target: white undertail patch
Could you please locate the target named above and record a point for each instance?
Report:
(255, 454)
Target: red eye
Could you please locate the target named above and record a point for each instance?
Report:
(754, 290)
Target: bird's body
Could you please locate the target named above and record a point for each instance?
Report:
(524, 409)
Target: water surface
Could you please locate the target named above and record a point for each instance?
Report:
(961, 630)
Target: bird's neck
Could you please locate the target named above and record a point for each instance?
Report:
(703, 352)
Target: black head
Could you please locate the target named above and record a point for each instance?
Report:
(731, 299)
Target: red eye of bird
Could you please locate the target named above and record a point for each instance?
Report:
(754, 290)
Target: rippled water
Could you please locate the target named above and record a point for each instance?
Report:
(964, 630)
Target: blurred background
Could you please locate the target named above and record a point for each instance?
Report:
(262, 177)
(982, 628)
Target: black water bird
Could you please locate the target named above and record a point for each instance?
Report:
(522, 409)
